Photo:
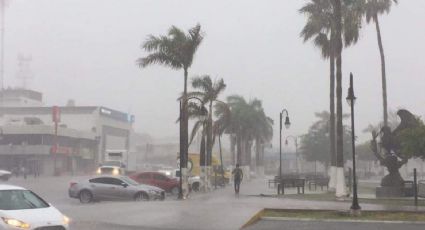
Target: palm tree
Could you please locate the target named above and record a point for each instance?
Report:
(238, 125)
(321, 28)
(198, 112)
(207, 91)
(249, 124)
(263, 134)
(373, 8)
(223, 114)
(175, 50)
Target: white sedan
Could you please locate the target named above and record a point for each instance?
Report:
(23, 209)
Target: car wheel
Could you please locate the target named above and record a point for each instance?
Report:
(195, 187)
(175, 191)
(85, 197)
(141, 196)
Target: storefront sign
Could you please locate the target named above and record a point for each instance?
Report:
(60, 150)
(56, 114)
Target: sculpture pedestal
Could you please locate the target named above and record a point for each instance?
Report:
(382, 192)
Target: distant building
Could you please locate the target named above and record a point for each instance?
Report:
(28, 135)
(20, 98)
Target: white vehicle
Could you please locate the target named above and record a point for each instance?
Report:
(194, 181)
(116, 155)
(23, 209)
(110, 170)
(123, 158)
(5, 175)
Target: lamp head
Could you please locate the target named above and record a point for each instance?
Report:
(287, 122)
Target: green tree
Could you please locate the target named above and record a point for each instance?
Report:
(365, 153)
(372, 9)
(175, 50)
(315, 144)
(413, 141)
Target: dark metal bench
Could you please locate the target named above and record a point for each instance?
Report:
(318, 181)
(290, 183)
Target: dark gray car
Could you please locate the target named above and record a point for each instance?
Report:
(113, 188)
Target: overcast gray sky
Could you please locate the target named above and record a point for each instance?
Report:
(86, 50)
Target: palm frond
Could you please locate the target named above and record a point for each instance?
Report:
(159, 58)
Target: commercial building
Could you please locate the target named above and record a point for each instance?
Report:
(53, 139)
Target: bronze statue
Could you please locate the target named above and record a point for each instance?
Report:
(391, 144)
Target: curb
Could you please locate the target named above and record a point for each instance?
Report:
(259, 216)
(343, 221)
(254, 219)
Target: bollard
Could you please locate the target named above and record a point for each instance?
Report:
(215, 179)
(415, 187)
(278, 189)
(350, 179)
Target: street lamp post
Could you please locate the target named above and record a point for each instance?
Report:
(287, 125)
(296, 150)
(355, 207)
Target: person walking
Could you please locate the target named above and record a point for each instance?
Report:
(237, 177)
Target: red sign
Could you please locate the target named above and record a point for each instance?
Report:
(61, 150)
(56, 114)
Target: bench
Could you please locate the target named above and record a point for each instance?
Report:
(318, 181)
(290, 183)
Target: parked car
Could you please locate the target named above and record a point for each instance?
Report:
(157, 179)
(194, 181)
(5, 175)
(23, 209)
(113, 188)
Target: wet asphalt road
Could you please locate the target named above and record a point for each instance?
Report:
(217, 210)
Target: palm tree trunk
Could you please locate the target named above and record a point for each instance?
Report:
(332, 173)
(232, 149)
(384, 78)
(209, 136)
(202, 151)
(221, 159)
(202, 160)
(340, 179)
(209, 146)
(248, 154)
(238, 149)
(184, 137)
(257, 154)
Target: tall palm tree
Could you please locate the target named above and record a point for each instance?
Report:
(249, 124)
(372, 9)
(321, 28)
(175, 50)
(263, 133)
(340, 180)
(208, 91)
(238, 125)
(199, 112)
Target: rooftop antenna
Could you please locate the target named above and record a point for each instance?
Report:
(24, 71)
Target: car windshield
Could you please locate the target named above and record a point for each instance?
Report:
(129, 181)
(20, 199)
